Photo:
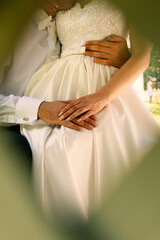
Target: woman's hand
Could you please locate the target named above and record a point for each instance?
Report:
(84, 107)
(49, 113)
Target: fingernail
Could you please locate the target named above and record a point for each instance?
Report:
(79, 120)
(56, 5)
(61, 118)
(68, 119)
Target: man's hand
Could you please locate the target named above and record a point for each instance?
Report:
(51, 8)
(112, 51)
(49, 112)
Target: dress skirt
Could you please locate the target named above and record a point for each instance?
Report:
(73, 170)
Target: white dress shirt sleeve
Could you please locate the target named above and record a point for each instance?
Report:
(18, 110)
(18, 69)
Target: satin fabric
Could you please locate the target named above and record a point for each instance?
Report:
(74, 170)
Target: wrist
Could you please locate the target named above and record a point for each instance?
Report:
(103, 96)
(41, 110)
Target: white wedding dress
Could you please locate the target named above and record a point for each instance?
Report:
(73, 169)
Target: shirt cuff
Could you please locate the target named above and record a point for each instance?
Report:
(27, 110)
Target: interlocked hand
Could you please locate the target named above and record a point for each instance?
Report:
(83, 107)
(49, 112)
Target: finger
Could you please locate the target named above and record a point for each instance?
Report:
(52, 6)
(107, 62)
(93, 117)
(85, 116)
(115, 38)
(54, 3)
(100, 43)
(97, 48)
(53, 10)
(78, 113)
(71, 111)
(83, 124)
(72, 125)
(50, 10)
(67, 102)
(93, 123)
(86, 125)
(73, 102)
(97, 55)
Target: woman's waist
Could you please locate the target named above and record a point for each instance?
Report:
(76, 46)
(80, 50)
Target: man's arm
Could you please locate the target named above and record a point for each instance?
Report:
(28, 55)
(18, 110)
(25, 110)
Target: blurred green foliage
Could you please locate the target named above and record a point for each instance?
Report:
(154, 67)
(133, 210)
(154, 108)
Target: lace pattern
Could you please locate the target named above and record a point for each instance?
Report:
(97, 20)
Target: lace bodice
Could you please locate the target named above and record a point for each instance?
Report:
(97, 20)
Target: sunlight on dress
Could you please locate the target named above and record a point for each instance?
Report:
(73, 170)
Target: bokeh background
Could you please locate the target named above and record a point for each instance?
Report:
(133, 211)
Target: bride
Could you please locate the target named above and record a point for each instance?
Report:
(74, 169)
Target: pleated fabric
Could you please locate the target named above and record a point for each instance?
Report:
(74, 170)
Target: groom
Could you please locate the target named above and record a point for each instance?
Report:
(29, 55)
